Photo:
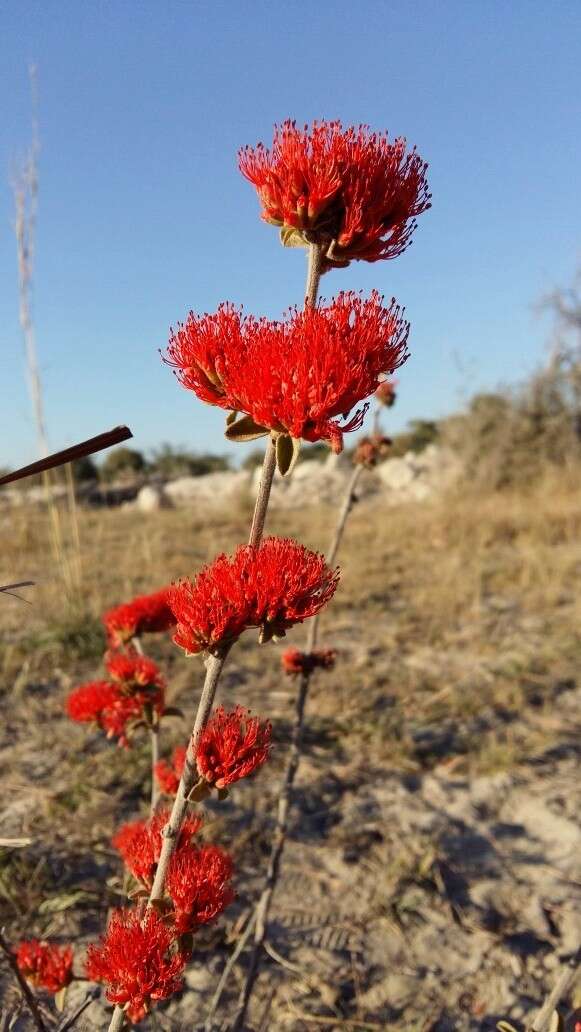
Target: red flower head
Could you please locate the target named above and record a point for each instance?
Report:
(106, 705)
(133, 671)
(350, 190)
(135, 961)
(296, 662)
(371, 450)
(140, 842)
(138, 678)
(273, 586)
(232, 746)
(294, 377)
(198, 884)
(168, 777)
(44, 964)
(386, 393)
(89, 701)
(145, 614)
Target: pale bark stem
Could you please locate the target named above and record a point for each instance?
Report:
(262, 498)
(214, 665)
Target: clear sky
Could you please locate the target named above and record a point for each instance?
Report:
(143, 214)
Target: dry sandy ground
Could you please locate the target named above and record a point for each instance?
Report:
(432, 876)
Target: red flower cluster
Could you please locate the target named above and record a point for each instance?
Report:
(371, 450)
(296, 662)
(297, 376)
(136, 961)
(133, 671)
(44, 964)
(198, 878)
(145, 614)
(232, 746)
(107, 705)
(386, 394)
(168, 776)
(90, 701)
(273, 586)
(198, 885)
(136, 690)
(351, 190)
(140, 842)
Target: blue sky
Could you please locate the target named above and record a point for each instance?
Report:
(143, 214)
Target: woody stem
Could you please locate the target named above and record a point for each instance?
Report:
(314, 272)
(261, 504)
(285, 793)
(153, 738)
(214, 666)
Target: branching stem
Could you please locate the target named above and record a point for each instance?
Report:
(285, 793)
(214, 666)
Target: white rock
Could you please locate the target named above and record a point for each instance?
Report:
(152, 499)
(213, 489)
(396, 474)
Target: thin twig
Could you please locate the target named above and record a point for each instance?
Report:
(561, 988)
(25, 989)
(92, 995)
(242, 940)
(285, 793)
(154, 739)
(314, 1019)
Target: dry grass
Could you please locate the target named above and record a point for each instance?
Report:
(457, 624)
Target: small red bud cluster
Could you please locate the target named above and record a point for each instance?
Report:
(371, 450)
(134, 695)
(296, 662)
(44, 964)
(386, 394)
(145, 614)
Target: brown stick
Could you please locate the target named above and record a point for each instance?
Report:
(68, 1022)
(22, 984)
(76, 451)
(314, 272)
(285, 794)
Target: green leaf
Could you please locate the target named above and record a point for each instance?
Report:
(291, 237)
(172, 711)
(222, 794)
(200, 791)
(245, 429)
(58, 904)
(60, 999)
(287, 453)
(556, 1023)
